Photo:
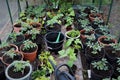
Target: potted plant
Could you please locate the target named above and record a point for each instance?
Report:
(94, 51)
(102, 30)
(72, 34)
(29, 50)
(16, 38)
(112, 52)
(5, 46)
(101, 69)
(116, 68)
(107, 39)
(96, 22)
(54, 24)
(17, 26)
(69, 50)
(20, 70)
(10, 56)
(86, 33)
(69, 18)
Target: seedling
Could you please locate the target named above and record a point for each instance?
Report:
(73, 33)
(11, 53)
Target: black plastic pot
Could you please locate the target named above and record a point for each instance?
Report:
(2, 71)
(50, 39)
(103, 74)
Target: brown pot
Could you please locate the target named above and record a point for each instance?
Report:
(82, 36)
(17, 27)
(31, 56)
(92, 16)
(6, 58)
(36, 25)
(106, 44)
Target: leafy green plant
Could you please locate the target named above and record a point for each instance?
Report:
(42, 78)
(118, 78)
(118, 63)
(44, 60)
(4, 44)
(55, 19)
(28, 45)
(11, 53)
(13, 36)
(84, 23)
(94, 46)
(73, 33)
(20, 66)
(34, 33)
(98, 21)
(116, 47)
(101, 64)
(70, 53)
(109, 37)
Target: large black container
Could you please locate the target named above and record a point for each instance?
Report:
(50, 39)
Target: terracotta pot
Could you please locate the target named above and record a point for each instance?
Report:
(92, 16)
(13, 45)
(31, 56)
(36, 25)
(17, 27)
(82, 36)
(106, 44)
(6, 63)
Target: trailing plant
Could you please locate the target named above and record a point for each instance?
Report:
(95, 47)
(45, 63)
(101, 64)
(11, 53)
(20, 66)
(28, 45)
(73, 33)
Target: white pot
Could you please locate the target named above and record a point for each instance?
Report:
(27, 77)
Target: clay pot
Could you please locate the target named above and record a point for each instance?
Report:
(92, 16)
(17, 27)
(31, 56)
(106, 43)
(36, 25)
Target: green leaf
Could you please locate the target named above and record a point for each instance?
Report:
(68, 42)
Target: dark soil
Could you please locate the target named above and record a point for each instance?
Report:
(9, 60)
(17, 25)
(16, 75)
(106, 41)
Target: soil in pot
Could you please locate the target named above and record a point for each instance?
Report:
(101, 74)
(55, 27)
(116, 73)
(92, 57)
(7, 60)
(18, 74)
(106, 41)
(36, 25)
(17, 27)
(110, 55)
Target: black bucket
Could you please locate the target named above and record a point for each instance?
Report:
(50, 39)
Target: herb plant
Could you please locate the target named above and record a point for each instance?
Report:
(28, 45)
(4, 44)
(11, 53)
(20, 66)
(73, 33)
(100, 65)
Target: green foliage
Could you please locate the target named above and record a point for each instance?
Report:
(11, 53)
(73, 33)
(28, 45)
(70, 53)
(34, 33)
(109, 37)
(42, 78)
(95, 47)
(116, 46)
(101, 64)
(55, 19)
(118, 78)
(38, 73)
(118, 63)
(97, 21)
(13, 36)
(4, 44)
(20, 66)
(84, 23)
(44, 59)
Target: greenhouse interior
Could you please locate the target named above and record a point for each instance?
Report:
(60, 40)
